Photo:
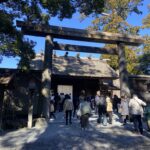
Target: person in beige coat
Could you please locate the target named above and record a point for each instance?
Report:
(124, 109)
(109, 107)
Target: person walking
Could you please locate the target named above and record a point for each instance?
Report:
(136, 110)
(82, 96)
(101, 106)
(56, 99)
(52, 115)
(75, 105)
(84, 113)
(116, 103)
(68, 107)
(124, 109)
(62, 96)
(109, 107)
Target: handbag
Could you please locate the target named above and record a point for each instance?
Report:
(51, 108)
(79, 112)
(120, 109)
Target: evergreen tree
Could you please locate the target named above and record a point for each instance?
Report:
(114, 20)
(146, 20)
(35, 11)
(144, 57)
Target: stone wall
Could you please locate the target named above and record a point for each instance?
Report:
(140, 85)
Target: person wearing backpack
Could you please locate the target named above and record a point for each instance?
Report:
(101, 106)
(85, 112)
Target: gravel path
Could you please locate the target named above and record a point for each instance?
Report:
(58, 136)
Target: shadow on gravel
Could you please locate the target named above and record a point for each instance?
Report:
(58, 136)
(72, 138)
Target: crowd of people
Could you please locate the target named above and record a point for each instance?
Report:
(104, 105)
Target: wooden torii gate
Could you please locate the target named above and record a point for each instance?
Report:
(50, 32)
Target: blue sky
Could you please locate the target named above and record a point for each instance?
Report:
(75, 23)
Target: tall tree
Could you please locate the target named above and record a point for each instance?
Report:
(146, 20)
(35, 11)
(114, 20)
(144, 57)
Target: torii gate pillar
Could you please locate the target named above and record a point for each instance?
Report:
(46, 75)
(124, 85)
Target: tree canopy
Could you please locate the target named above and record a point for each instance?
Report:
(36, 11)
(146, 20)
(115, 15)
(114, 20)
(144, 57)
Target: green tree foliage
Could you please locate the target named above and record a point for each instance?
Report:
(146, 45)
(144, 57)
(36, 11)
(114, 20)
(117, 12)
(66, 8)
(113, 59)
(132, 60)
(144, 63)
(146, 20)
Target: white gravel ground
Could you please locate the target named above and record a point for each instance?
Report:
(58, 136)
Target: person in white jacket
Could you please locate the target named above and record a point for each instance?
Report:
(136, 110)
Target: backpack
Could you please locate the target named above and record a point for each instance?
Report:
(85, 108)
(100, 100)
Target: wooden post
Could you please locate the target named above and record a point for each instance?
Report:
(30, 111)
(124, 86)
(1, 104)
(32, 89)
(46, 75)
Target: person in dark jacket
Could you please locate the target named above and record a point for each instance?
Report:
(68, 107)
(116, 102)
(75, 105)
(56, 104)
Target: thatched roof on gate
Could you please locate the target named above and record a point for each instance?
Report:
(73, 66)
